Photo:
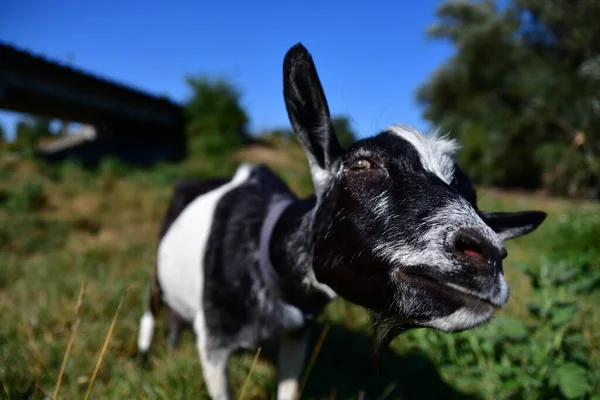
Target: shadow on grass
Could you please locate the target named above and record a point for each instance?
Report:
(344, 368)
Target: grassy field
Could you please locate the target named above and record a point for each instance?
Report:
(63, 228)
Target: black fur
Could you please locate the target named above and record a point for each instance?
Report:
(232, 280)
(384, 230)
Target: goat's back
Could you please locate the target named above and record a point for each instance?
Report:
(184, 192)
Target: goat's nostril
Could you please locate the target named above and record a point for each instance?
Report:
(473, 252)
(473, 247)
(468, 246)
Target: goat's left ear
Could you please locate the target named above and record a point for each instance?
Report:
(515, 224)
(309, 115)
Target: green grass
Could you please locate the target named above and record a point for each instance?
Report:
(61, 226)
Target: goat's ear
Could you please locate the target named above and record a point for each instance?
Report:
(309, 115)
(515, 224)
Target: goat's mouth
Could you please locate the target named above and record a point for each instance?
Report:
(430, 301)
(454, 293)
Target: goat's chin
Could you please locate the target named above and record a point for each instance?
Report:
(387, 325)
(422, 302)
(462, 319)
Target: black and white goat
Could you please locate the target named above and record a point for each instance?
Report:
(394, 226)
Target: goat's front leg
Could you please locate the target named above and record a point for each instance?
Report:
(215, 362)
(292, 354)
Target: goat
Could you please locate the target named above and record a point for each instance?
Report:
(393, 226)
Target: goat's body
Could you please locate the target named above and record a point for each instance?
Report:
(393, 226)
(180, 265)
(208, 271)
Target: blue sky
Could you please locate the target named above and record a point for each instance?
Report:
(371, 56)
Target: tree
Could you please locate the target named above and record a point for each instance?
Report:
(214, 116)
(522, 92)
(344, 132)
(282, 133)
(32, 128)
(341, 125)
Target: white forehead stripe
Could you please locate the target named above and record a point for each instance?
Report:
(436, 152)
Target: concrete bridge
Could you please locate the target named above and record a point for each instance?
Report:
(129, 123)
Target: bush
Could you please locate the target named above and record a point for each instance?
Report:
(215, 121)
(546, 357)
(343, 130)
(521, 92)
(577, 237)
(111, 167)
(29, 196)
(341, 124)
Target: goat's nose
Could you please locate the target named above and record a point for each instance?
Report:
(478, 250)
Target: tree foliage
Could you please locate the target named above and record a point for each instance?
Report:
(341, 125)
(214, 116)
(343, 130)
(522, 92)
(30, 130)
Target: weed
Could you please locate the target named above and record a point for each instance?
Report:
(28, 196)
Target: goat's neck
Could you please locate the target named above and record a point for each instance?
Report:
(291, 255)
(290, 247)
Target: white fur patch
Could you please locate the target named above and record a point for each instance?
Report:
(292, 316)
(382, 206)
(310, 280)
(503, 296)
(499, 300)
(436, 153)
(214, 364)
(313, 282)
(181, 251)
(457, 214)
(146, 332)
(320, 176)
(461, 319)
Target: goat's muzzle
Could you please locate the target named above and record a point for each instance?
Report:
(475, 249)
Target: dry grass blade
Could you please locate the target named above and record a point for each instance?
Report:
(313, 358)
(105, 346)
(71, 340)
(35, 351)
(254, 361)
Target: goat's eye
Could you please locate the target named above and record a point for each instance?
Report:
(361, 164)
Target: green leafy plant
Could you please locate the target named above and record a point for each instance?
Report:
(545, 356)
(29, 196)
(214, 117)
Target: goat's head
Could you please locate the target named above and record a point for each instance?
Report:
(396, 227)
